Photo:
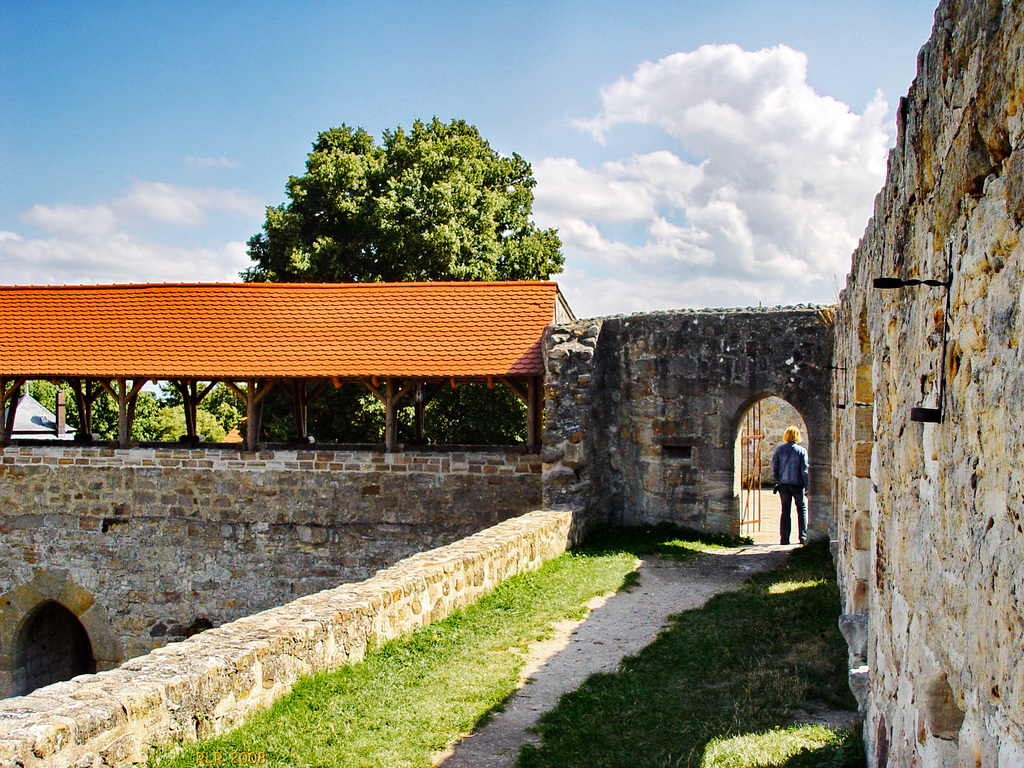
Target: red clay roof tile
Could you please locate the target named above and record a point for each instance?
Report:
(265, 330)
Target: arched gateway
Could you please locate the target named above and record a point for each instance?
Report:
(651, 435)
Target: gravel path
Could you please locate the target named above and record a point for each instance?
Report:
(618, 625)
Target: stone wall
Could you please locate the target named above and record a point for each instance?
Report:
(211, 682)
(149, 545)
(644, 411)
(568, 410)
(931, 549)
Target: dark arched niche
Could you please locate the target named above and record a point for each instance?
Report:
(51, 603)
(52, 646)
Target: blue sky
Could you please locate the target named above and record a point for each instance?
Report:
(691, 154)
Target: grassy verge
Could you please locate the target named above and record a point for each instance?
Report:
(412, 696)
(720, 687)
(717, 689)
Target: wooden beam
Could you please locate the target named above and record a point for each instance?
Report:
(534, 413)
(429, 393)
(122, 413)
(243, 396)
(298, 392)
(200, 396)
(320, 387)
(84, 406)
(252, 416)
(11, 396)
(391, 417)
(517, 389)
(265, 390)
(371, 384)
(133, 400)
(186, 390)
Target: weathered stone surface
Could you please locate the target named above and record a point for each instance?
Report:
(940, 577)
(149, 545)
(211, 682)
(644, 411)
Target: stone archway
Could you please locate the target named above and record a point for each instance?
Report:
(52, 598)
(767, 417)
(656, 404)
(52, 646)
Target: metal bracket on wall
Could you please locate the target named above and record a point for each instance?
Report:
(926, 413)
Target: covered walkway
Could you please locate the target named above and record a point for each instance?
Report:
(402, 341)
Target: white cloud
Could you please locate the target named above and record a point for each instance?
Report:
(186, 206)
(97, 244)
(72, 220)
(202, 163)
(770, 212)
(119, 258)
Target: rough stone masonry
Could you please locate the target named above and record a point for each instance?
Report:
(149, 545)
(931, 514)
(643, 411)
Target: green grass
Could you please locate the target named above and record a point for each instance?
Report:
(412, 696)
(665, 540)
(720, 686)
(717, 689)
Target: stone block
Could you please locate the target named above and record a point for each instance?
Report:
(863, 388)
(854, 628)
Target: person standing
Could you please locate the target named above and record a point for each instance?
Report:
(789, 468)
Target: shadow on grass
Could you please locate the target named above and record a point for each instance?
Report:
(739, 668)
(671, 542)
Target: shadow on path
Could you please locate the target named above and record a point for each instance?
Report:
(617, 626)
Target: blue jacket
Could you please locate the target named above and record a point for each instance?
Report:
(789, 465)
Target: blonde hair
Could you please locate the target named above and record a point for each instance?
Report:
(792, 435)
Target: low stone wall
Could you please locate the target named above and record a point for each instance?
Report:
(211, 682)
(146, 546)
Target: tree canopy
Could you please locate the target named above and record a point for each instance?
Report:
(436, 203)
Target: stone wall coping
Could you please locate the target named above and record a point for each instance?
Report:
(307, 459)
(209, 683)
(788, 309)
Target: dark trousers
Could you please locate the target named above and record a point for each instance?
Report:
(790, 492)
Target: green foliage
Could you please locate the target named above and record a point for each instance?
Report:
(472, 414)
(433, 203)
(436, 203)
(156, 418)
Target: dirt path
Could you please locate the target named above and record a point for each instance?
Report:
(618, 625)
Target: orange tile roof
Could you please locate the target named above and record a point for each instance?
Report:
(268, 330)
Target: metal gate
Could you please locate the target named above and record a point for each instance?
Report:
(750, 470)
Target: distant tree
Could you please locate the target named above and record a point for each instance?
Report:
(156, 417)
(434, 203)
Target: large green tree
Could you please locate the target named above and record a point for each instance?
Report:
(434, 203)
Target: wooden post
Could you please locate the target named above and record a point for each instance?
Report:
(391, 417)
(122, 413)
(11, 397)
(301, 413)
(84, 403)
(534, 413)
(419, 403)
(252, 416)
